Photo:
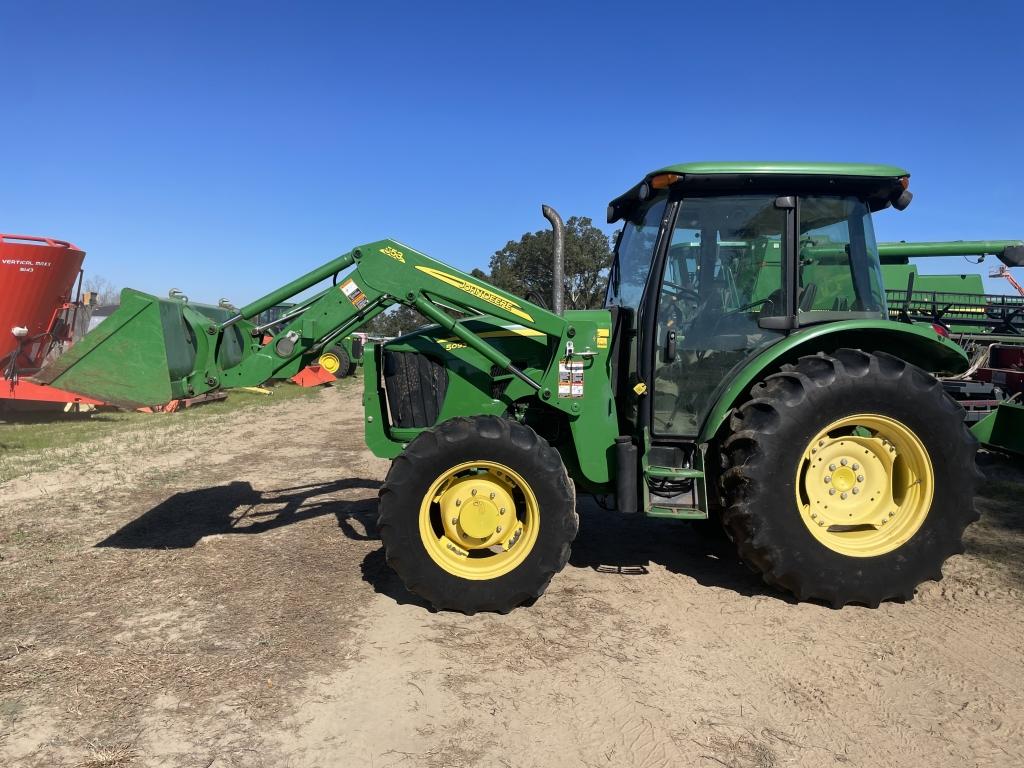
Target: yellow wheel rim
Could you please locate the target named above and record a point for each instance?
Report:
(864, 485)
(479, 520)
(330, 362)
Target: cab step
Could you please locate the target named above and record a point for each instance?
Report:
(677, 513)
(673, 473)
(674, 482)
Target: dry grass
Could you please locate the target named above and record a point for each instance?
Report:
(42, 442)
(119, 756)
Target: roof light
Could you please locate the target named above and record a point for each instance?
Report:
(664, 180)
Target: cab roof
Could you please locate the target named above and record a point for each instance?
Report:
(875, 182)
(783, 168)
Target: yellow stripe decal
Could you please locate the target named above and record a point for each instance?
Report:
(495, 334)
(478, 291)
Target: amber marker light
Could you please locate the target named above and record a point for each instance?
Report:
(664, 180)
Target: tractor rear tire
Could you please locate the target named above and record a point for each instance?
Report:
(850, 437)
(477, 514)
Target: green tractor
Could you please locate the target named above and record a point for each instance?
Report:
(744, 370)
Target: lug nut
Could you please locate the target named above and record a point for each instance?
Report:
(831, 491)
(498, 529)
(458, 502)
(856, 491)
(821, 443)
(860, 478)
(473, 492)
(492, 494)
(892, 514)
(828, 479)
(501, 511)
(843, 495)
(814, 515)
(455, 521)
(831, 467)
(821, 522)
(844, 462)
(856, 467)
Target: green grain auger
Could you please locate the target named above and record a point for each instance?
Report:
(744, 369)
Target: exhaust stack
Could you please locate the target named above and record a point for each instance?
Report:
(558, 276)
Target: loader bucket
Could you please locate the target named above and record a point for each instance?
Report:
(139, 356)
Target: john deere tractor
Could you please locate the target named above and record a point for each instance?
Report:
(744, 370)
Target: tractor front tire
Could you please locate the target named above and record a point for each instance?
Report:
(477, 514)
(850, 478)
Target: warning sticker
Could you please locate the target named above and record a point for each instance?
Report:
(602, 338)
(356, 296)
(570, 379)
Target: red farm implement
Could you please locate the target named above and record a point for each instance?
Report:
(38, 277)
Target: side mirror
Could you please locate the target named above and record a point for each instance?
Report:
(1013, 255)
(902, 201)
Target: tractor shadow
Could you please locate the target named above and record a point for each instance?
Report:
(608, 542)
(182, 520)
(378, 574)
(612, 543)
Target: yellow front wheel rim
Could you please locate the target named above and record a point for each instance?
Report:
(330, 362)
(864, 485)
(479, 520)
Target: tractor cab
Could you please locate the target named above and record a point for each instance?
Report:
(716, 261)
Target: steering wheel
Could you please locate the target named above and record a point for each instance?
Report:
(680, 307)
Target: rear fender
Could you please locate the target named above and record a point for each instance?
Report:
(918, 344)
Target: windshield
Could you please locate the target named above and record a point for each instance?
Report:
(839, 273)
(633, 255)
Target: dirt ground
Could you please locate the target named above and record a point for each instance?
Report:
(213, 594)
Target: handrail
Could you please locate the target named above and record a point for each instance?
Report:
(26, 239)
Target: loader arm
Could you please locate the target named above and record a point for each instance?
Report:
(152, 350)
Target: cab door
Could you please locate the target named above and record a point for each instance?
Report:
(723, 274)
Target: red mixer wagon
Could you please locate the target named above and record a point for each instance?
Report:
(38, 277)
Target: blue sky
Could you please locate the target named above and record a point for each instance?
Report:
(226, 147)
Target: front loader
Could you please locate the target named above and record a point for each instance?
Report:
(744, 370)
